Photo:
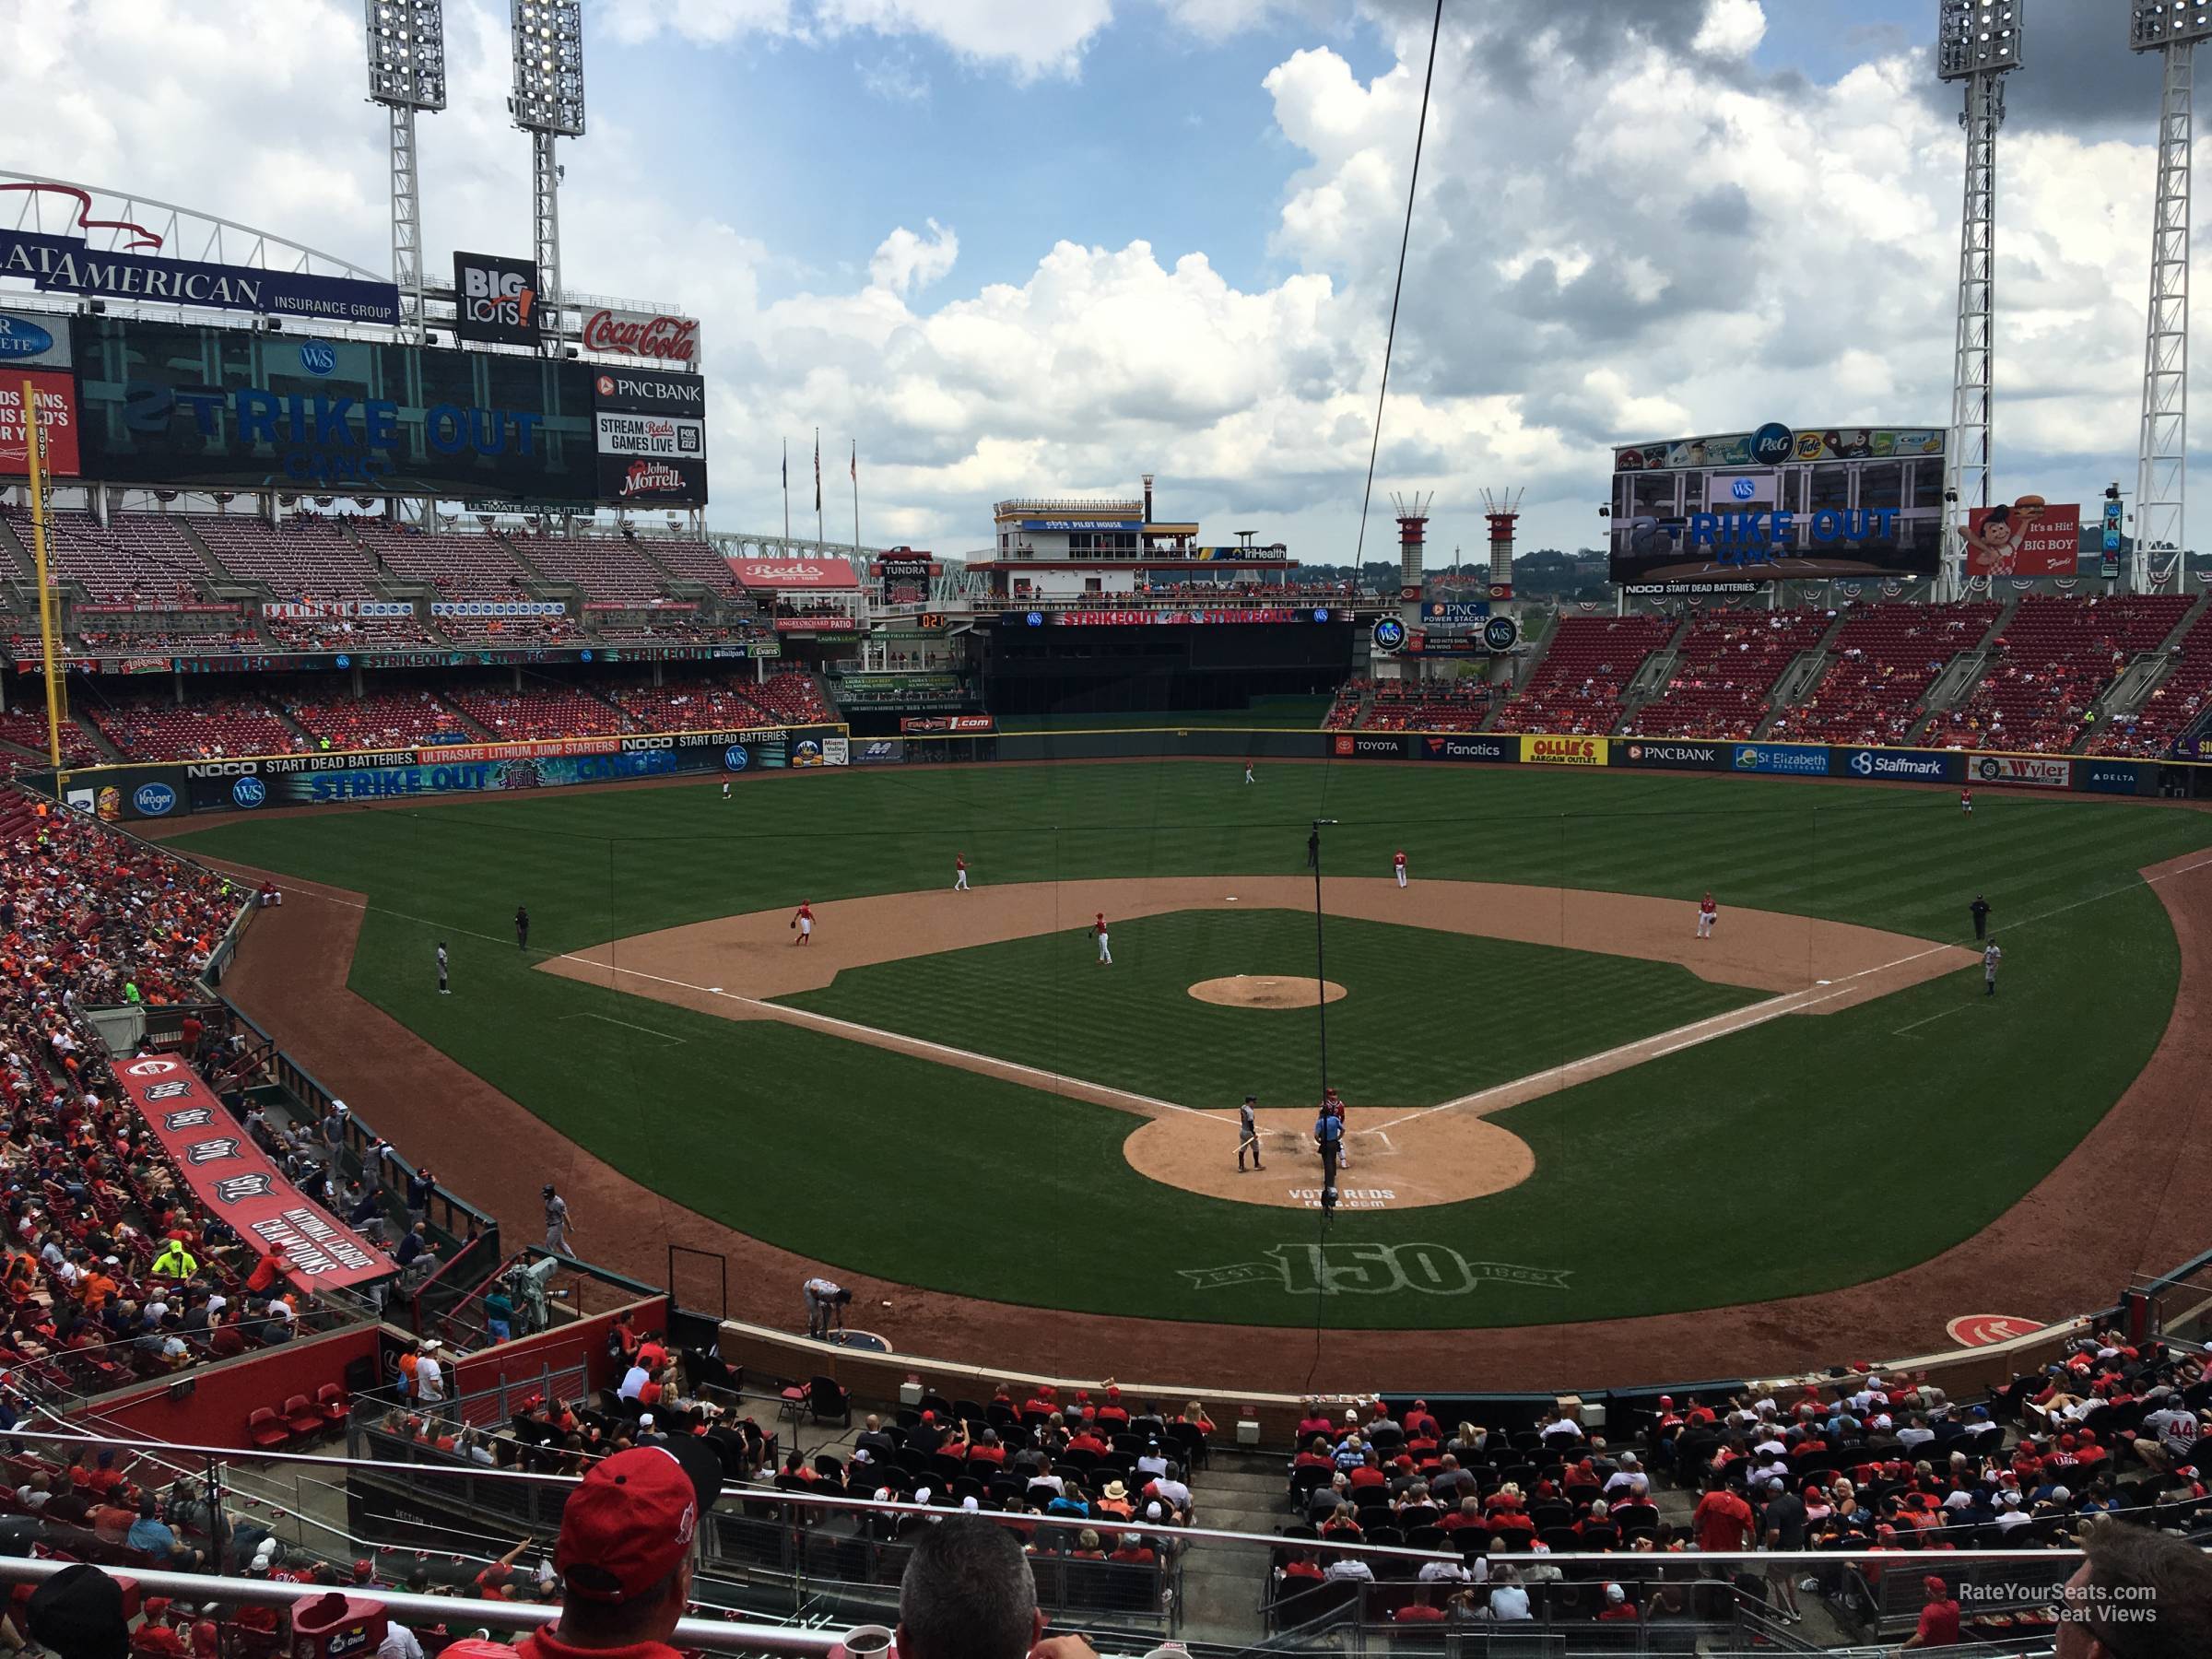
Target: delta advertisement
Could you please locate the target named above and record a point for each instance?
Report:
(203, 408)
(236, 1181)
(2026, 537)
(36, 348)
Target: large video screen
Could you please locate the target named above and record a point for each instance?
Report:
(229, 408)
(1802, 504)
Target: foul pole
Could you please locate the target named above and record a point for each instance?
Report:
(49, 621)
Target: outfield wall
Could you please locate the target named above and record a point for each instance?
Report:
(156, 789)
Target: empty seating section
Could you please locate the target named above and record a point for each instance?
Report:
(1429, 706)
(793, 697)
(2172, 708)
(155, 728)
(698, 705)
(2049, 665)
(537, 713)
(1725, 672)
(1881, 665)
(457, 566)
(1344, 711)
(378, 720)
(28, 731)
(301, 558)
(1578, 687)
(137, 557)
(604, 566)
(697, 561)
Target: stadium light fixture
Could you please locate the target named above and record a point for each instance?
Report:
(548, 66)
(1977, 36)
(2155, 23)
(406, 52)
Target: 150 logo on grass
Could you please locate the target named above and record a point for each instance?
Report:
(1371, 1270)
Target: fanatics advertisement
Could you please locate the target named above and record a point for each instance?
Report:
(1453, 746)
(651, 432)
(2028, 537)
(228, 1174)
(229, 408)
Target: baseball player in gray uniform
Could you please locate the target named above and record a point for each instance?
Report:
(1248, 1134)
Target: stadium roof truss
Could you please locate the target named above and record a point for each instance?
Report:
(119, 222)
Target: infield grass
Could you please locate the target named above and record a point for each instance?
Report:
(1801, 1155)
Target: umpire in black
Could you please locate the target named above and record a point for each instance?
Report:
(1979, 909)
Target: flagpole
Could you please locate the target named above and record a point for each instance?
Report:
(817, 487)
(786, 489)
(50, 606)
(856, 498)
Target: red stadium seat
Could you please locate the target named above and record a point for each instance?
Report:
(301, 1417)
(266, 1430)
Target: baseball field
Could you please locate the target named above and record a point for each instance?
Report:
(1564, 1106)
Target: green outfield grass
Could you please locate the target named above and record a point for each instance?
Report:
(1802, 1155)
(1053, 1006)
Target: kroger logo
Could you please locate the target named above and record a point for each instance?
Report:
(249, 792)
(734, 759)
(318, 356)
(155, 800)
(19, 337)
(1743, 489)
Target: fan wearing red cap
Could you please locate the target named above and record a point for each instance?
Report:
(1938, 1619)
(624, 1553)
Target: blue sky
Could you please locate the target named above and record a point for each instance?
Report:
(1021, 248)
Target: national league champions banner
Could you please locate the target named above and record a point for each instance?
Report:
(234, 1179)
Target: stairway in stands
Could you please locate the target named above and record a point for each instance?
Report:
(1239, 1491)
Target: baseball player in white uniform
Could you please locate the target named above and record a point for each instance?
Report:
(1397, 865)
(1248, 772)
(959, 874)
(1708, 914)
(1097, 928)
(1991, 957)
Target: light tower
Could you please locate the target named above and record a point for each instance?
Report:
(1978, 41)
(2172, 28)
(1502, 507)
(406, 73)
(547, 104)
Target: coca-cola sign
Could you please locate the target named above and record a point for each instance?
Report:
(659, 339)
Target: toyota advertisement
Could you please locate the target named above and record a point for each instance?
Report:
(651, 432)
(1779, 502)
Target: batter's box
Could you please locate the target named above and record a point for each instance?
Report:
(1297, 1143)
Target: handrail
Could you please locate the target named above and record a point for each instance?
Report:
(713, 1634)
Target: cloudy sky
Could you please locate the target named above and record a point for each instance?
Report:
(1041, 246)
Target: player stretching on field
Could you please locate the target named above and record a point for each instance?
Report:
(1708, 914)
(802, 924)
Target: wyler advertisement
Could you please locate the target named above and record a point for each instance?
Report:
(2026, 537)
(229, 408)
(650, 432)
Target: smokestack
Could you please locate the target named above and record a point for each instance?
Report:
(1147, 498)
(1413, 535)
(1504, 513)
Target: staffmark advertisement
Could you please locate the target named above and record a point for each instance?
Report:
(1914, 766)
(1563, 751)
(2031, 772)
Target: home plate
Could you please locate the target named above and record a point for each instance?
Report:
(1230, 899)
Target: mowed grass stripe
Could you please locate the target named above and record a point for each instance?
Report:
(1046, 1002)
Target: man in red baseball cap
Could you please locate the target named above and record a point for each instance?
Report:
(626, 1550)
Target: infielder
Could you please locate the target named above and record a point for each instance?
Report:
(1248, 1134)
(521, 928)
(441, 970)
(1991, 957)
(1098, 929)
(1708, 914)
(802, 924)
(959, 874)
(1397, 866)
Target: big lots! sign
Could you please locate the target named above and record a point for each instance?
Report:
(657, 338)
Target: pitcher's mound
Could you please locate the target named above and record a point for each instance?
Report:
(1256, 990)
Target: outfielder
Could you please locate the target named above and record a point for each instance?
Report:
(441, 970)
(1247, 772)
(1098, 929)
(1248, 1134)
(959, 874)
(725, 789)
(1708, 914)
(1966, 802)
(802, 924)
(1397, 866)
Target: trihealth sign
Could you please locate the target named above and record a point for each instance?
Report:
(1537, 750)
